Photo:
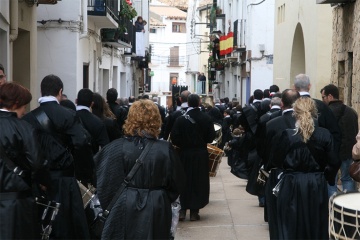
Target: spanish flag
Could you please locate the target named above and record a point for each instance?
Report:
(226, 44)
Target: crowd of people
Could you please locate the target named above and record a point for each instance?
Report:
(292, 143)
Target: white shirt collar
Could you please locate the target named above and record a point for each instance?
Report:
(184, 105)
(266, 99)
(80, 107)
(287, 110)
(257, 100)
(190, 108)
(304, 93)
(275, 107)
(48, 99)
(4, 110)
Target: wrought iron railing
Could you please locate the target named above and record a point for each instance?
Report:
(103, 7)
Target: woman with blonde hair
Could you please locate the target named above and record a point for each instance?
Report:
(307, 158)
(143, 210)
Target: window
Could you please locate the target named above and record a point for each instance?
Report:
(178, 27)
(174, 56)
(152, 30)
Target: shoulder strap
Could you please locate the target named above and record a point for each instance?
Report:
(43, 120)
(127, 179)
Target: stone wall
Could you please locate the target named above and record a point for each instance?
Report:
(345, 70)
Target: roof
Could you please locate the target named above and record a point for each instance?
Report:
(168, 11)
(155, 22)
(205, 2)
(180, 4)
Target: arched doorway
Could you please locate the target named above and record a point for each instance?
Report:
(297, 54)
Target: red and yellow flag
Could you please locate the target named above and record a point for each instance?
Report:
(226, 43)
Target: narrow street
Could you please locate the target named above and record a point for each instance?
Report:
(231, 214)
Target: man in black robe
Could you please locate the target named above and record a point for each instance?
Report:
(119, 111)
(174, 115)
(191, 133)
(60, 131)
(274, 129)
(84, 164)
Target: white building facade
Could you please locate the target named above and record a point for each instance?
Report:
(250, 27)
(167, 38)
(72, 46)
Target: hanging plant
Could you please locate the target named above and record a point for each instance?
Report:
(127, 11)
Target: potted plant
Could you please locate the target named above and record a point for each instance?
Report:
(127, 13)
(218, 11)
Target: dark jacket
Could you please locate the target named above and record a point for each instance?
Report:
(303, 191)
(139, 26)
(327, 120)
(143, 210)
(347, 119)
(192, 139)
(96, 128)
(17, 211)
(274, 128)
(69, 134)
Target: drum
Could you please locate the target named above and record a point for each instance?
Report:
(344, 216)
(215, 156)
(218, 135)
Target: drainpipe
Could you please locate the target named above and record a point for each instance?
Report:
(14, 21)
(84, 32)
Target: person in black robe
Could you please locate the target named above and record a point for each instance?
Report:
(119, 111)
(226, 128)
(307, 157)
(21, 163)
(143, 210)
(274, 129)
(84, 164)
(174, 115)
(59, 133)
(102, 111)
(191, 133)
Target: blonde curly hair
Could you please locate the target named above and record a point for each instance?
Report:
(144, 117)
(305, 112)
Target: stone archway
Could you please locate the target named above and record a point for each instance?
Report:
(297, 54)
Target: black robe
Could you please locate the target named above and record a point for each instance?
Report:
(192, 140)
(70, 222)
(302, 203)
(143, 210)
(18, 215)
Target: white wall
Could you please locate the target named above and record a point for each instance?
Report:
(260, 25)
(64, 53)
(162, 41)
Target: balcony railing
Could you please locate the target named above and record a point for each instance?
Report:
(104, 7)
(120, 38)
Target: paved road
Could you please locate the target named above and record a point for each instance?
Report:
(231, 214)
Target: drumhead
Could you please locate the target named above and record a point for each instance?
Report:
(348, 200)
(217, 127)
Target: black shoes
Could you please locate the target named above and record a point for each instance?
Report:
(182, 215)
(194, 216)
